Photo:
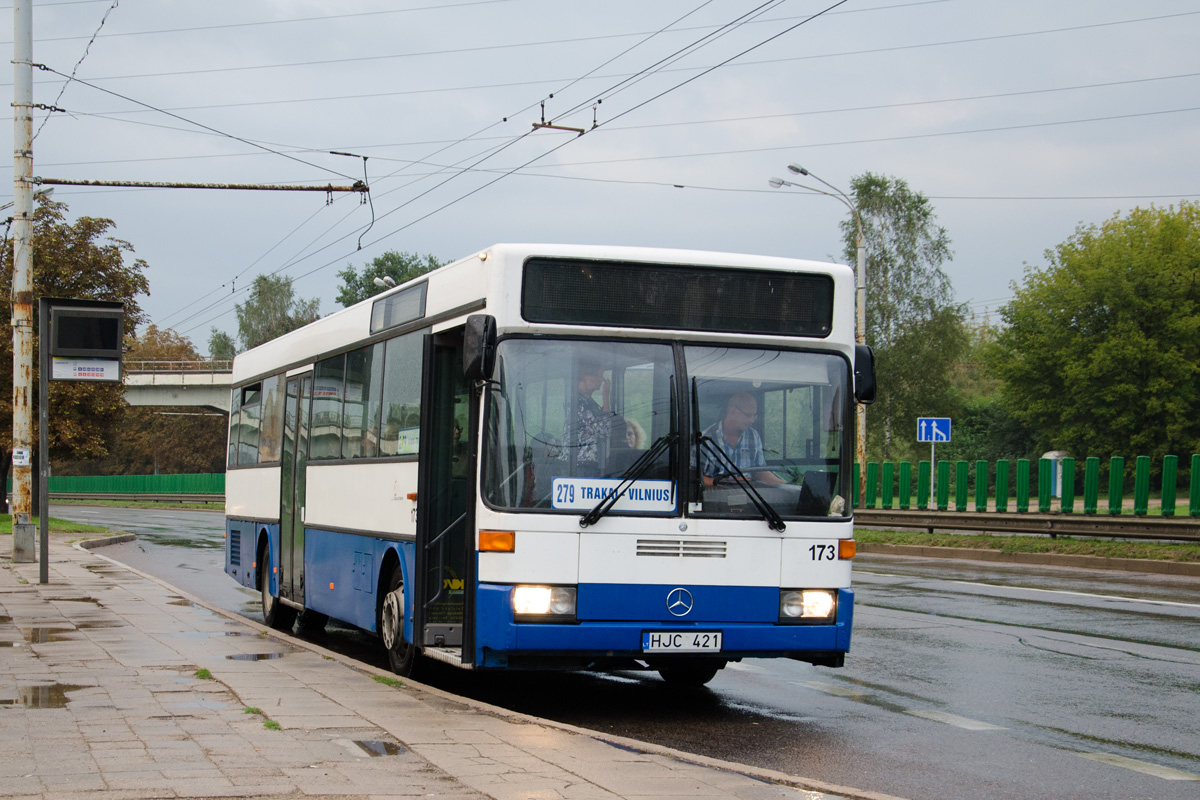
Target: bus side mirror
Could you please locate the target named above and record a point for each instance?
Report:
(864, 374)
(479, 347)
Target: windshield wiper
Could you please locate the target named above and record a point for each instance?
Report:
(636, 470)
(726, 464)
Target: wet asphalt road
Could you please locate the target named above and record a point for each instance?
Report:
(964, 680)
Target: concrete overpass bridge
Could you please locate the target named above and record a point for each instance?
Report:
(203, 384)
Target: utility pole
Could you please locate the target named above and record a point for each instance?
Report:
(22, 289)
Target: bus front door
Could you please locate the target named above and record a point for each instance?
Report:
(292, 488)
(445, 499)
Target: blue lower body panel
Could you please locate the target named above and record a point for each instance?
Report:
(241, 550)
(613, 618)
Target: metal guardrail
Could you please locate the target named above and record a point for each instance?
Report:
(159, 497)
(166, 365)
(1115, 526)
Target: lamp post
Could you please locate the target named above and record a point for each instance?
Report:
(860, 332)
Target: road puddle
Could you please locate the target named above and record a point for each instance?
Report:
(40, 635)
(376, 748)
(52, 696)
(255, 656)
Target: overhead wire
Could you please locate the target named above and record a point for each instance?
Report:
(601, 37)
(540, 156)
(614, 128)
(233, 25)
(87, 49)
(481, 156)
(487, 184)
(877, 139)
(618, 128)
(193, 122)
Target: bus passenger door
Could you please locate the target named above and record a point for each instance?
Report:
(291, 490)
(446, 500)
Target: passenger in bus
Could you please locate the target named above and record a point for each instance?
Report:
(635, 435)
(458, 453)
(594, 423)
(735, 435)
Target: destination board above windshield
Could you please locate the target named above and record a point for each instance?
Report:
(677, 297)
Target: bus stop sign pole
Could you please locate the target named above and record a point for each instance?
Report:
(78, 340)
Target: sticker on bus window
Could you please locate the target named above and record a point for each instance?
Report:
(582, 494)
(408, 441)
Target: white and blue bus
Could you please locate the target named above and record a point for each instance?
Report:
(561, 457)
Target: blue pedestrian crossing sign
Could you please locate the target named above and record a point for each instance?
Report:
(933, 429)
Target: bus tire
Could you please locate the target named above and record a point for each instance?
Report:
(691, 676)
(275, 614)
(403, 656)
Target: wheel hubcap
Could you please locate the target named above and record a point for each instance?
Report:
(393, 617)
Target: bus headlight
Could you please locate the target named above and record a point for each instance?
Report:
(544, 603)
(811, 606)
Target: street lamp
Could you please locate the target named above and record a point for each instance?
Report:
(860, 333)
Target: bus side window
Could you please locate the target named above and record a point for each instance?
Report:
(401, 397)
(235, 426)
(270, 440)
(325, 439)
(251, 418)
(360, 414)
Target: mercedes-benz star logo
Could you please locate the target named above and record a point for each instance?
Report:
(679, 602)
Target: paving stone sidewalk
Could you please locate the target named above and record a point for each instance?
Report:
(116, 686)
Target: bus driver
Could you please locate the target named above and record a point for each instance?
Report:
(738, 440)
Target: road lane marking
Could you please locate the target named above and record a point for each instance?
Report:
(955, 720)
(829, 688)
(1034, 589)
(1166, 773)
(1083, 594)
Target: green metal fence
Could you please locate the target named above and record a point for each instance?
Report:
(203, 483)
(1017, 484)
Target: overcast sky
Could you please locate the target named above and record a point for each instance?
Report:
(1019, 119)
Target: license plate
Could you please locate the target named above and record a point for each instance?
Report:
(681, 641)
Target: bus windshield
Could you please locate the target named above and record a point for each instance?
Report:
(768, 426)
(567, 419)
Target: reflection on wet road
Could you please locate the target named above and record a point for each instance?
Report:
(964, 680)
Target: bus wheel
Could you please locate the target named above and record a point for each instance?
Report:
(402, 655)
(690, 676)
(275, 613)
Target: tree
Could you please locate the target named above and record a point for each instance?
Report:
(78, 260)
(984, 428)
(221, 346)
(171, 441)
(400, 267)
(1101, 350)
(271, 311)
(913, 323)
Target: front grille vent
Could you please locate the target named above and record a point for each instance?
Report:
(680, 548)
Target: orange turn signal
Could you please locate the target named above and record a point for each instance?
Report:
(847, 548)
(497, 541)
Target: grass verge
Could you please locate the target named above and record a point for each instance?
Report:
(56, 526)
(1108, 548)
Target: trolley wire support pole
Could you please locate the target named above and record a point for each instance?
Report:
(22, 290)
